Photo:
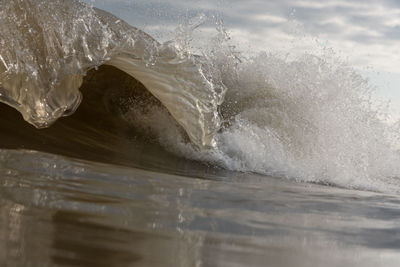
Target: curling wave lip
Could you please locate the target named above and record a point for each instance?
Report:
(42, 65)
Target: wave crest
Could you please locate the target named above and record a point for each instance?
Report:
(52, 44)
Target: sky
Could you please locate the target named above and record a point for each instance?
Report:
(366, 34)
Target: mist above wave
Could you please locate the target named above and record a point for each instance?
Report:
(310, 119)
(307, 117)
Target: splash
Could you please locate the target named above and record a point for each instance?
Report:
(309, 118)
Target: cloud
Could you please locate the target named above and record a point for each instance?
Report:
(366, 32)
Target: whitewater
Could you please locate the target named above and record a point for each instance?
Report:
(127, 143)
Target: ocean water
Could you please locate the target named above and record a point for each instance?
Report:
(136, 152)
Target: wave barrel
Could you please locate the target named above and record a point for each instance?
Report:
(46, 48)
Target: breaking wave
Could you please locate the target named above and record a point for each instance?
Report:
(48, 46)
(309, 118)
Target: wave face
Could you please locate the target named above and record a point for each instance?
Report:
(48, 46)
(308, 118)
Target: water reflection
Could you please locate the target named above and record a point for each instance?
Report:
(99, 215)
(93, 219)
(80, 242)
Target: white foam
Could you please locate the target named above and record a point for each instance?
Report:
(310, 118)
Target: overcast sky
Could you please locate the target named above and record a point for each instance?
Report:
(365, 33)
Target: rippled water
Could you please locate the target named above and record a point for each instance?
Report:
(57, 211)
